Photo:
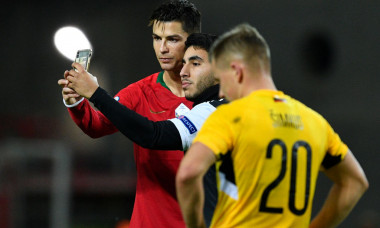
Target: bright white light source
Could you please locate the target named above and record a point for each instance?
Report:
(68, 40)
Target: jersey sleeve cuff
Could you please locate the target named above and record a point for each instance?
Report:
(73, 105)
(182, 133)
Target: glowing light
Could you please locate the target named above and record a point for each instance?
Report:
(68, 40)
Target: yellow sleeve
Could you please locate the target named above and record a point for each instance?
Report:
(217, 132)
(335, 145)
(336, 150)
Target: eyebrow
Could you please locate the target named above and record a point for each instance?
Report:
(169, 37)
(195, 57)
(192, 58)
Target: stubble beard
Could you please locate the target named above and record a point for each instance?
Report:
(201, 86)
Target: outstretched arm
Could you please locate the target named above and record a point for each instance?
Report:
(146, 133)
(350, 183)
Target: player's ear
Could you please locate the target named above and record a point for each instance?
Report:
(237, 68)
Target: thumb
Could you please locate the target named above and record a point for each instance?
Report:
(63, 82)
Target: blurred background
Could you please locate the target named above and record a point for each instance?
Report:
(324, 53)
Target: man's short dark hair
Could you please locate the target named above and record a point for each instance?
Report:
(200, 40)
(182, 11)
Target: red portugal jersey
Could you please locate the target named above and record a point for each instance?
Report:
(155, 201)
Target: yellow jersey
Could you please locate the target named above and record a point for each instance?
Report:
(269, 148)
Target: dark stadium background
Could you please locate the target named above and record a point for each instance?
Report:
(324, 53)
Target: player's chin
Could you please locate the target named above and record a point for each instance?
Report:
(167, 66)
(190, 96)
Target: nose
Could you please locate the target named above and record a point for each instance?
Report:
(184, 71)
(163, 47)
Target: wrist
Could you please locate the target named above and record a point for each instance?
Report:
(72, 105)
(91, 93)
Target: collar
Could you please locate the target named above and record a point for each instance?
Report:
(160, 79)
(209, 94)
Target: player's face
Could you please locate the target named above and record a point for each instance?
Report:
(196, 73)
(169, 44)
(227, 84)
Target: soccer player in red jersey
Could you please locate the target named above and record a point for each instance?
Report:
(199, 85)
(157, 97)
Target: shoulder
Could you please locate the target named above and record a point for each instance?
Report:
(224, 105)
(229, 112)
(307, 111)
(202, 109)
(140, 84)
(208, 106)
(135, 90)
(147, 81)
(216, 103)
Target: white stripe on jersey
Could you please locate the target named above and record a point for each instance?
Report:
(228, 187)
(197, 116)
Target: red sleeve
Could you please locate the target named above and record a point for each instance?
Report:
(91, 121)
(129, 96)
(139, 97)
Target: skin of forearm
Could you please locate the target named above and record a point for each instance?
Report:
(340, 201)
(191, 198)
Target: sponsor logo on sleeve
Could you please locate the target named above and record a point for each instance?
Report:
(188, 124)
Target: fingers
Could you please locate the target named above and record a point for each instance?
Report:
(78, 83)
(66, 73)
(70, 96)
(73, 95)
(63, 82)
(66, 83)
(71, 77)
(78, 66)
(73, 73)
(67, 90)
(69, 93)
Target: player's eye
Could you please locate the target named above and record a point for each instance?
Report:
(173, 40)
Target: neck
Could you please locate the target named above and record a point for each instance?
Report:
(257, 83)
(172, 80)
(209, 94)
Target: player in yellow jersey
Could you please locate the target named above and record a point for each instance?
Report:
(268, 147)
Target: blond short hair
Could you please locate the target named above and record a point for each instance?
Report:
(243, 42)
